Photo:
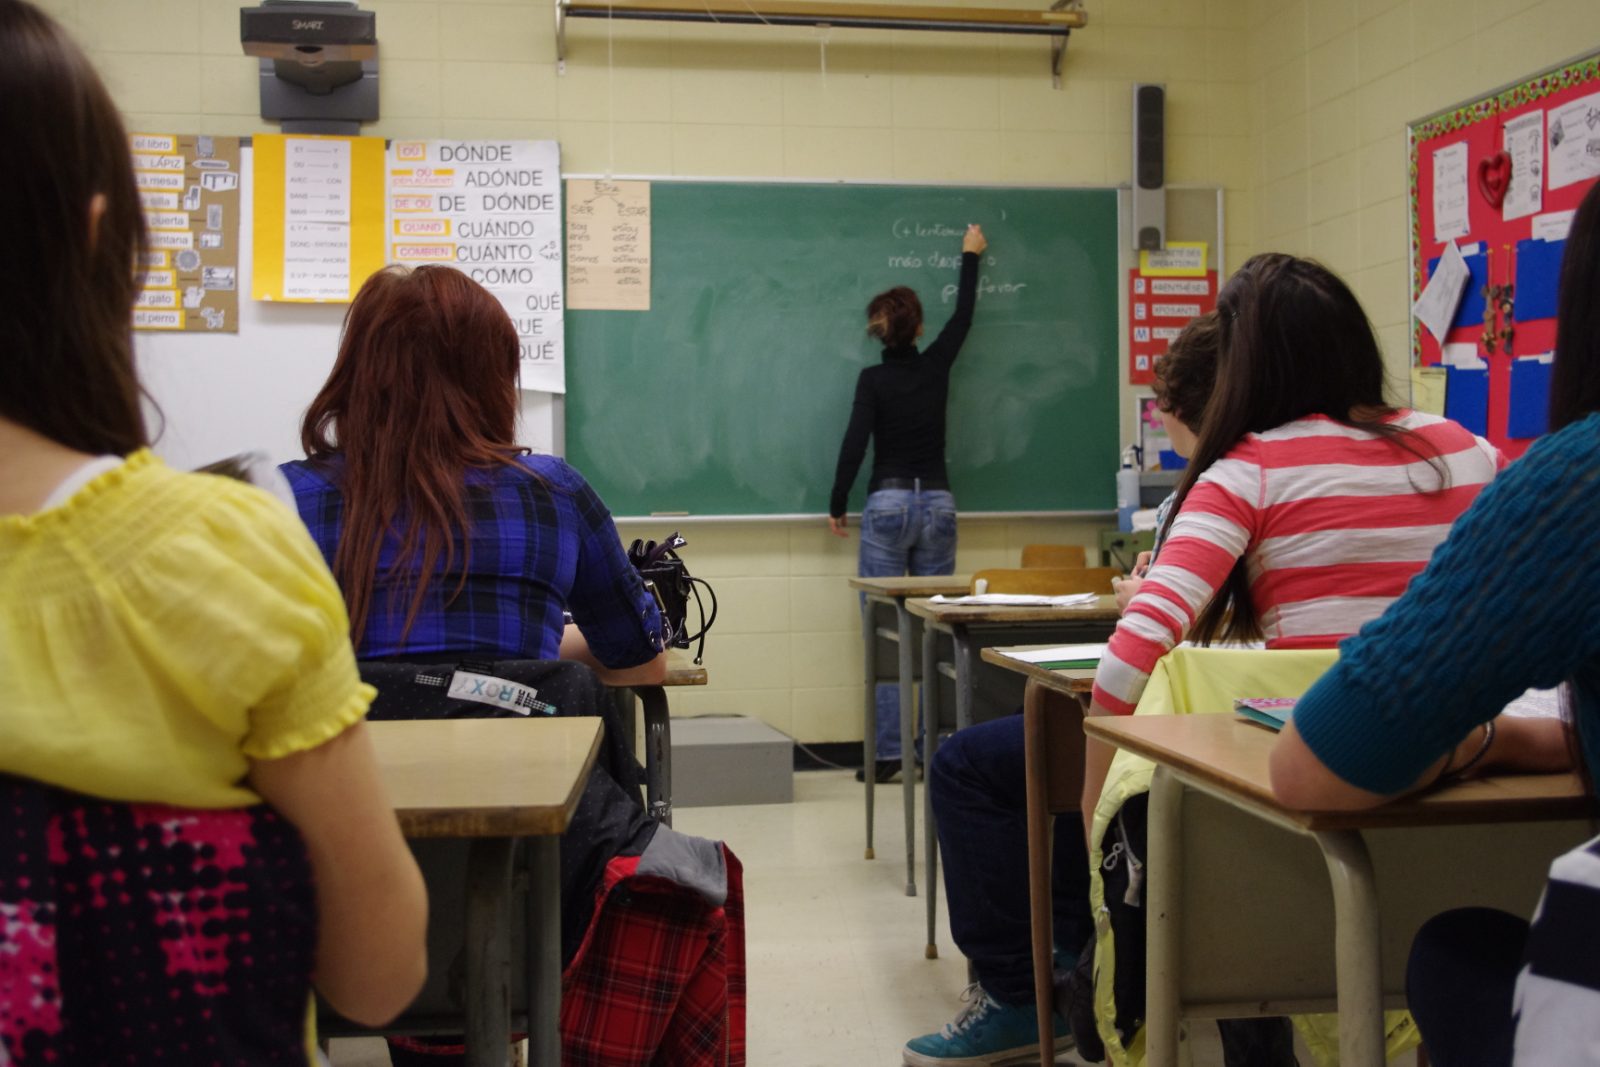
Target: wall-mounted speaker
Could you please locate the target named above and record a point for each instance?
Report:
(1149, 167)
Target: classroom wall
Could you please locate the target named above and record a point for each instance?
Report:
(1334, 84)
(756, 102)
(1297, 108)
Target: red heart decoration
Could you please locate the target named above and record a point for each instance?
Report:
(1494, 177)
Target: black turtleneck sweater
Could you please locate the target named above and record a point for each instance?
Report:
(901, 404)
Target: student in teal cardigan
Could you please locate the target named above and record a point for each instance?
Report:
(1510, 601)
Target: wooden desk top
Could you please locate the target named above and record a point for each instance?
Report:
(915, 585)
(1075, 681)
(1230, 756)
(485, 777)
(1104, 609)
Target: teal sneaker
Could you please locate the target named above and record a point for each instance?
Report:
(986, 1033)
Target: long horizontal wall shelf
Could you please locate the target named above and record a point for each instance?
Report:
(1058, 22)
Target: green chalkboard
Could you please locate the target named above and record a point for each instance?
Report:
(730, 395)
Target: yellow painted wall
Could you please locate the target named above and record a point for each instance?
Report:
(1336, 82)
(1295, 107)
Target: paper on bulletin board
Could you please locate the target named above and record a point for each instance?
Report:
(1574, 137)
(1427, 389)
(1180, 259)
(1450, 210)
(608, 245)
(1523, 138)
(318, 219)
(1436, 307)
(189, 190)
(492, 210)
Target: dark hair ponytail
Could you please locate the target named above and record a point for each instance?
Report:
(894, 316)
(1293, 342)
(1575, 379)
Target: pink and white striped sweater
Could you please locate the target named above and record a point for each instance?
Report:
(1332, 522)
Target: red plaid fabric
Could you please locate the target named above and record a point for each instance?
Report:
(659, 978)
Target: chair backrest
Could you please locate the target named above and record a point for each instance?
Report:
(209, 916)
(1044, 581)
(1069, 556)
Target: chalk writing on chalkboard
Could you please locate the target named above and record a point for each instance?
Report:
(608, 245)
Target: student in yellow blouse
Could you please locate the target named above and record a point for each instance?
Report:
(164, 638)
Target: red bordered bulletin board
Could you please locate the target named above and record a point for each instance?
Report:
(1480, 125)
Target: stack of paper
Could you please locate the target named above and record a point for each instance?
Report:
(1031, 600)
(1063, 657)
(1271, 712)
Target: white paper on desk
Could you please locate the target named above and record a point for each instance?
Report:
(1536, 704)
(1059, 653)
(1450, 193)
(1574, 138)
(1436, 307)
(1029, 600)
(1523, 138)
(1462, 356)
(1553, 225)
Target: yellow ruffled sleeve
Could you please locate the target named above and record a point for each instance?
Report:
(287, 657)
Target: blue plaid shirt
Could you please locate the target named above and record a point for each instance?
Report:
(540, 546)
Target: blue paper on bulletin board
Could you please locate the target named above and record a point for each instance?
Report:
(1470, 311)
(1530, 398)
(1538, 271)
(1466, 398)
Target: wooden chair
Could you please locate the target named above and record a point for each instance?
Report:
(1069, 556)
(1045, 581)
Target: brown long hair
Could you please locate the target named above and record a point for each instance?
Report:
(66, 290)
(423, 389)
(1294, 342)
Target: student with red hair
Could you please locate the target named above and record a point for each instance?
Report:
(457, 548)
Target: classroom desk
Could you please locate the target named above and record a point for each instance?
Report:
(1053, 706)
(657, 733)
(1225, 857)
(496, 781)
(972, 628)
(892, 593)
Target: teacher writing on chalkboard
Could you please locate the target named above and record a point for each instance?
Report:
(909, 523)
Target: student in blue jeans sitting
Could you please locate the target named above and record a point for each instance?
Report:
(979, 804)
(909, 523)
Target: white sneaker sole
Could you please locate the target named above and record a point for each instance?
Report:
(1017, 1056)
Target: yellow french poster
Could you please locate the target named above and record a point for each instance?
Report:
(318, 220)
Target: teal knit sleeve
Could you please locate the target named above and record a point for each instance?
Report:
(1510, 601)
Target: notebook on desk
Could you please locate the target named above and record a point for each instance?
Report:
(1271, 712)
(1063, 657)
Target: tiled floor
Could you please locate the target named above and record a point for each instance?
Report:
(837, 974)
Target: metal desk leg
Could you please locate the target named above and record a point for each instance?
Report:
(930, 742)
(658, 752)
(966, 657)
(1034, 708)
(488, 953)
(869, 726)
(1163, 889)
(1356, 947)
(908, 745)
(544, 952)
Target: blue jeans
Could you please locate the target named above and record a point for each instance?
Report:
(980, 805)
(904, 531)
